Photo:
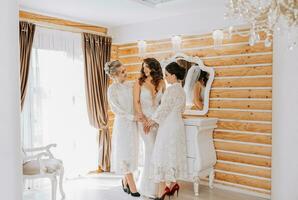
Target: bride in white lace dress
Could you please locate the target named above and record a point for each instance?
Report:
(125, 138)
(148, 91)
(169, 154)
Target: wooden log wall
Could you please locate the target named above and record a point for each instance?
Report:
(241, 97)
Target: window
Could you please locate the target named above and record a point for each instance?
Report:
(55, 109)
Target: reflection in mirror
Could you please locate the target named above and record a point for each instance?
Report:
(196, 84)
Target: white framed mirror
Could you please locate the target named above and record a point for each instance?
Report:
(197, 82)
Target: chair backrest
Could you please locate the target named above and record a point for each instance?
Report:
(23, 155)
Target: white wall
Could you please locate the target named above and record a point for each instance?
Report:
(10, 167)
(285, 120)
(190, 24)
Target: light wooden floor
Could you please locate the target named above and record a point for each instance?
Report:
(108, 188)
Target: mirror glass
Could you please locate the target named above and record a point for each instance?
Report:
(196, 84)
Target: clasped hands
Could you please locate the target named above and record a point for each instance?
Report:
(147, 123)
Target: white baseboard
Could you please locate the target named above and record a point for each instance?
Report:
(236, 188)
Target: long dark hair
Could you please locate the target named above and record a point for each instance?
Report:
(203, 78)
(156, 72)
(186, 65)
(175, 68)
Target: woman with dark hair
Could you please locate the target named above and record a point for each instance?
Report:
(199, 90)
(186, 65)
(148, 91)
(169, 153)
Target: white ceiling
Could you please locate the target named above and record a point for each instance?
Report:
(113, 13)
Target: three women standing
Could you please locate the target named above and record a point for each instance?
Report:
(160, 125)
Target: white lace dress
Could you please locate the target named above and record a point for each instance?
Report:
(169, 154)
(125, 140)
(147, 186)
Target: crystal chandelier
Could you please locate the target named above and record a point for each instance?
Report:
(263, 15)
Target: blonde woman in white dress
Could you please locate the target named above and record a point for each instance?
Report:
(169, 153)
(148, 91)
(124, 137)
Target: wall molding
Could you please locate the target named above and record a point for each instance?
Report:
(62, 24)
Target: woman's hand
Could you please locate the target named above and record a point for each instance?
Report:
(148, 125)
(140, 117)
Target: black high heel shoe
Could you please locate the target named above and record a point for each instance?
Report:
(134, 194)
(124, 189)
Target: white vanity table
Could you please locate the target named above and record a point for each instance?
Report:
(201, 155)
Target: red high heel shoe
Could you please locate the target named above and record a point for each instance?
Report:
(175, 188)
(167, 192)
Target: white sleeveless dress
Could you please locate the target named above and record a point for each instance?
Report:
(169, 162)
(147, 186)
(125, 139)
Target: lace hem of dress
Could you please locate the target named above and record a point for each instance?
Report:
(124, 168)
(169, 174)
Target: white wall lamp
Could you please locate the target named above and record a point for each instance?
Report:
(218, 36)
(176, 43)
(142, 46)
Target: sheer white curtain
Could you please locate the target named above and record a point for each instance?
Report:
(55, 107)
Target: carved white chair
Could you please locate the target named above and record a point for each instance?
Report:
(40, 163)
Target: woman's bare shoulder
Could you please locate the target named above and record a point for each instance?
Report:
(136, 85)
(162, 85)
(198, 84)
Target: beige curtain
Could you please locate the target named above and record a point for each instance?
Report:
(97, 51)
(26, 32)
